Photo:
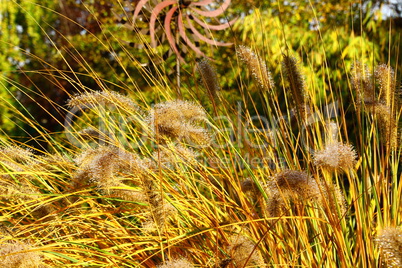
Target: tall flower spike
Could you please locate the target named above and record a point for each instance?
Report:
(389, 241)
(297, 83)
(257, 67)
(209, 78)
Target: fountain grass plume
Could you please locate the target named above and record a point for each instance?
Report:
(389, 240)
(178, 120)
(257, 67)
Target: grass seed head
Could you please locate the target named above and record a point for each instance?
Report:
(290, 185)
(257, 67)
(243, 252)
(336, 156)
(17, 255)
(389, 241)
(177, 120)
(209, 77)
(362, 82)
(386, 122)
(297, 83)
(102, 98)
(176, 263)
(385, 76)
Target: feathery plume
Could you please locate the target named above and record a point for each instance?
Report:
(176, 119)
(290, 185)
(176, 263)
(243, 252)
(14, 254)
(209, 78)
(336, 156)
(257, 67)
(16, 154)
(386, 122)
(98, 98)
(99, 167)
(389, 241)
(362, 82)
(333, 199)
(385, 76)
(297, 83)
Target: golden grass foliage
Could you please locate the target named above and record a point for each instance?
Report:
(152, 178)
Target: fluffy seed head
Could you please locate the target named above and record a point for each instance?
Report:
(333, 199)
(336, 156)
(386, 122)
(97, 166)
(389, 241)
(243, 252)
(362, 82)
(257, 67)
(290, 185)
(385, 76)
(102, 98)
(16, 154)
(14, 254)
(176, 263)
(177, 120)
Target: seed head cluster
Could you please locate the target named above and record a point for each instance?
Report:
(380, 106)
(362, 82)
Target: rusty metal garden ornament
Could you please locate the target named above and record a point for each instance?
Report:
(186, 20)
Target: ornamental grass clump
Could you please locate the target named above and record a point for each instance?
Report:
(382, 104)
